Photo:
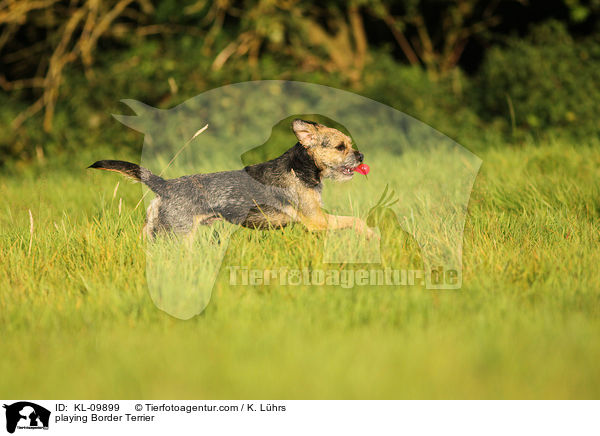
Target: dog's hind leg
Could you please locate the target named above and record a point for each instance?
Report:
(199, 220)
(151, 225)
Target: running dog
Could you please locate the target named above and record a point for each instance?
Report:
(271, 194)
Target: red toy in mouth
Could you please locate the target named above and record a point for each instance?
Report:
(363, 169)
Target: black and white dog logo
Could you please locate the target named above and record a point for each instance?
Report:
(26, 415)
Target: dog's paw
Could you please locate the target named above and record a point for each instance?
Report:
(371, 234)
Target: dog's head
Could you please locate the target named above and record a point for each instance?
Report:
(330, 149)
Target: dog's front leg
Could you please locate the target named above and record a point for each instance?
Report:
(324, 221)
(350, 222)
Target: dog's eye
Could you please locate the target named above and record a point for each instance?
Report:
(341, 147)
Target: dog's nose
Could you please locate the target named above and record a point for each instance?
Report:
(360, 156)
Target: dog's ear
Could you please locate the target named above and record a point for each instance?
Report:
(306, 132)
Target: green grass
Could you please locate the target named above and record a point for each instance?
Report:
(76, 319)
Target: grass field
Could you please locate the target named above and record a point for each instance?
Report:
(76, 319)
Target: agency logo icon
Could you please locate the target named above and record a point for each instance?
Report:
(26, 415)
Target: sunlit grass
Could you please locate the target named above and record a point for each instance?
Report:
(76, 318)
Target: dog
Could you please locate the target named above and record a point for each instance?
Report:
(270, 194)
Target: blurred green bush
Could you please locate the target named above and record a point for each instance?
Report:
(164, 53)
(549, 82)
(168, 73)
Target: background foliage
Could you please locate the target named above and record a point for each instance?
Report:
(466, 67)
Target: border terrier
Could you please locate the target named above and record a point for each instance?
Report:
(270, 194)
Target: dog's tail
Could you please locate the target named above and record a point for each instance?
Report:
(135, 172)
